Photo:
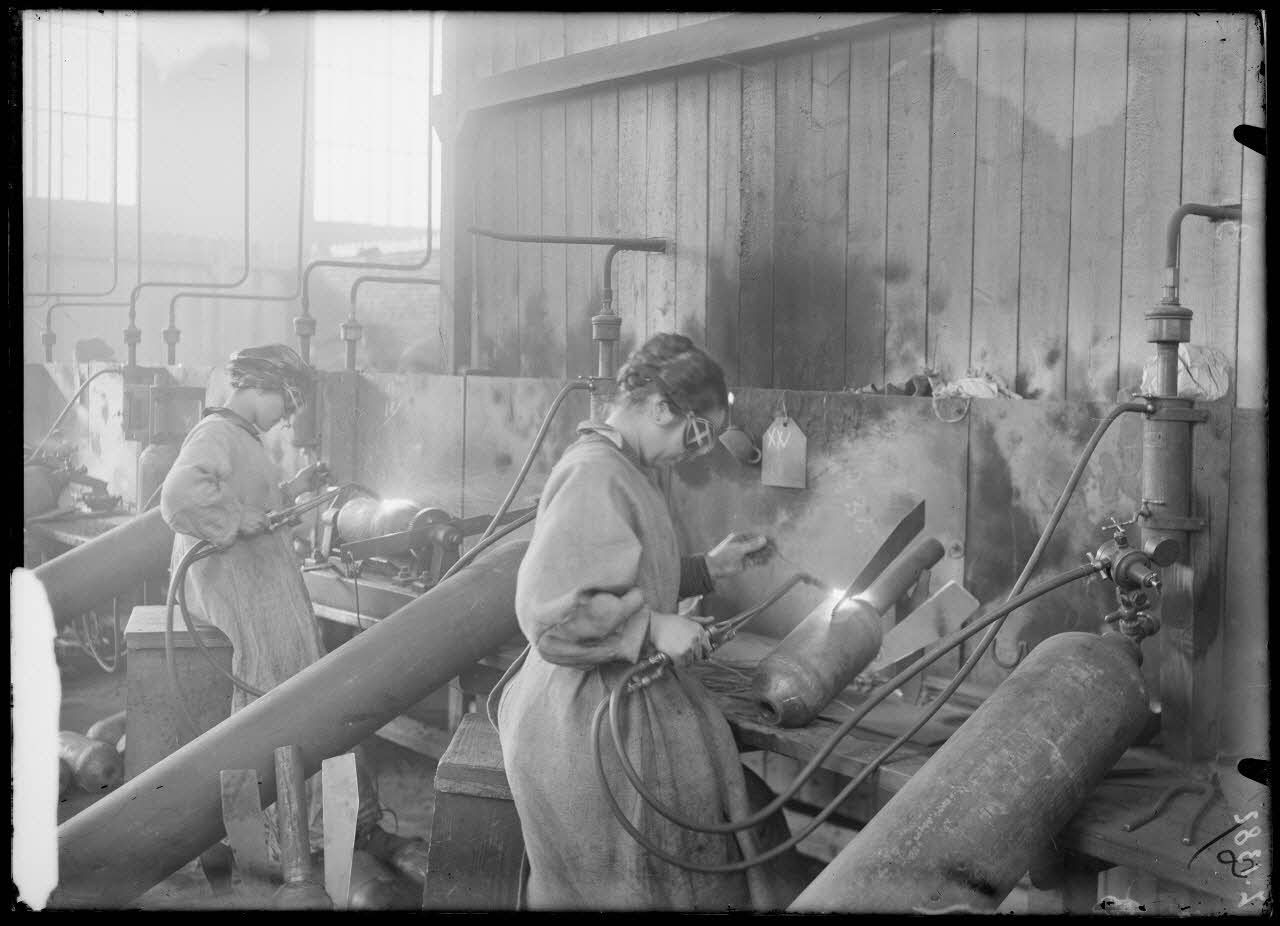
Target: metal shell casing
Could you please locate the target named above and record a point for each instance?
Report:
(963, 830)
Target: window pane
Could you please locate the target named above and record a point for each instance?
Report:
(379, 189)
(127, 171)
(74, 61)
(101, 159)
(101, 76)
(74, 158)
(128, 70)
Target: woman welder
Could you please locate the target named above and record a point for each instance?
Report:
(597, 591)
(220, 488)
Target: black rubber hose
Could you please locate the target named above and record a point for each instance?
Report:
(612, 704)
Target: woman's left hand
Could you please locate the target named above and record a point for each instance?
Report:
(734, 554)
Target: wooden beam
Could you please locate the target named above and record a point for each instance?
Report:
(735, 38)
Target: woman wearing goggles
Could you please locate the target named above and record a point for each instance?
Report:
(598, 590)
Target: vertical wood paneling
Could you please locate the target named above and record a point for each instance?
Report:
(584, 31)
(632, 26)
(460, 176)
(691, 207)
(997, 195)
(504, 40)
(548, 340)
(479, 60)
(1152, 174)
(660, 206)
(1251, 337)
(910, 80)
(605, 192)
(528, 37)
(955, 75)
(528, 211)
(553, 27)
(794, 315)
(629, 271)
(1097, 207)
(724, 146)
(755, 299)
(496, 324)
(1209, 253)
(1046, 206)
(811, 221)
(582, 299)
(683, 20)
(1209, 264)
(662, 22)
(868, 193)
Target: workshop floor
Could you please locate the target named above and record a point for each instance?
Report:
(404, 786)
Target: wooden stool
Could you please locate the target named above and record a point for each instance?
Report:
(476, 851)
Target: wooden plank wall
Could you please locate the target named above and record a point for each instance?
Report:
(964, 191)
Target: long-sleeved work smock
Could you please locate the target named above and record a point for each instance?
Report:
(603, 524)
(251, 589)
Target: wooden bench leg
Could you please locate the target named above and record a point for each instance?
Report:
(475, 860)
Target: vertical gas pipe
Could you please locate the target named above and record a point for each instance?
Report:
(1166, 475)
(605, 331)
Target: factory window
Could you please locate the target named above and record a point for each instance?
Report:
(373, 79)
(73, 132)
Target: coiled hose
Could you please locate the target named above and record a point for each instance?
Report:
(992, 622)
(612, 705)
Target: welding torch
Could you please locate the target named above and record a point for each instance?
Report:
(720, 632)
(293, 514)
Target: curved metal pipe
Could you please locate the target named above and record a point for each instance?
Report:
(115, 186)
(132, 334)
(171, 334)
(604, 327)
(48, 336)
(304, 325)
(1173, 232)
(351, 329)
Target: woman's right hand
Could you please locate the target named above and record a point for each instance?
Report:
(252, 521)
(681, 639)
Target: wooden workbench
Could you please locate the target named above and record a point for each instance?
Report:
(1094, 840)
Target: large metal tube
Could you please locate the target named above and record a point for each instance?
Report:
(963, 830)
(823, 653)
(139, 834)
(107, 566)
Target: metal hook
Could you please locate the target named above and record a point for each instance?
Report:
(995, 648)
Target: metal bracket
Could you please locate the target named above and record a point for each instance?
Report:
(1194, 415)
(1162, 523)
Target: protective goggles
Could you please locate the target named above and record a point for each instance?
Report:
(699, 435)
(292, 399)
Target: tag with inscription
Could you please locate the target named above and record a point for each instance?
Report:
(784, 455)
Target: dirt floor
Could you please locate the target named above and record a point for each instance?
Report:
(404, 785)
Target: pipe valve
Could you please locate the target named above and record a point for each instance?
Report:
(1131, 569)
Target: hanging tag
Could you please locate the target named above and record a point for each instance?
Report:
(784, 455)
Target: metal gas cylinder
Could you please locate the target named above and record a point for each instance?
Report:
(95, 766)
(964, 829)
(154, 463)
(366, 517)
(823, 653)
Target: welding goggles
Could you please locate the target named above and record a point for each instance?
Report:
(699, 432)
